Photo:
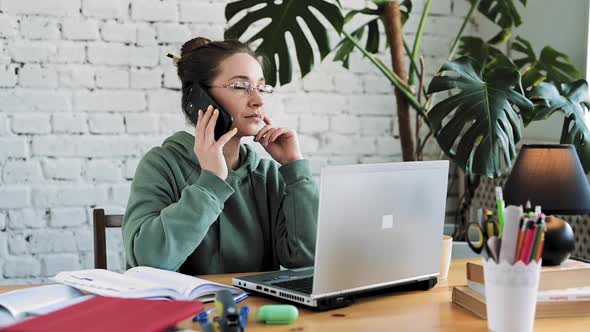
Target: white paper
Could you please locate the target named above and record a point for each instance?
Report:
(21, 303)
(510, 233)
(568, 294)
(142, 282)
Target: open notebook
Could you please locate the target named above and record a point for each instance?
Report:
(145, 282)
(33, 301)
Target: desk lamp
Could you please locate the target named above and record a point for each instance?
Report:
(550, 176)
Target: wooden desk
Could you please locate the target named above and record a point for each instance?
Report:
(413, 311)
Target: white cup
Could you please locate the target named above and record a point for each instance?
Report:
(511, 295)
(445, 257)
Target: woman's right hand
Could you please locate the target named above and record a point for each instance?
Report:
(210, 152)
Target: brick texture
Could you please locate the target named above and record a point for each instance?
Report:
(85, 91)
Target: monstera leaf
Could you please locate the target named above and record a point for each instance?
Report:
(573, 102)
(501, 12)
(552, 65)
(346, 46)
(483, 52)
(478, 127)
(284, 19)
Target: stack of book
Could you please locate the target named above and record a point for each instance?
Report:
(564, 290)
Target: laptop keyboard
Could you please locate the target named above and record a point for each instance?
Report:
(303, 285)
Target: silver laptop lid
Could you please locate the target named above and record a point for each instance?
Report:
(378, 224)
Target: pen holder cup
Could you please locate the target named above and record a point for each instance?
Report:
(511, 295)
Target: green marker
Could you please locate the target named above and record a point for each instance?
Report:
(277, 314)
(500, 208)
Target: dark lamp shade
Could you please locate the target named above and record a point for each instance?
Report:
(550, 176)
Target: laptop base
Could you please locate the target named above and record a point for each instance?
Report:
(344, 300)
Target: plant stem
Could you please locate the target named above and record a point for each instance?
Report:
(419, 154)
(393, 26)
(413, 66)
(421, 147)
(397, 83)
(460, 33)
(418, 39)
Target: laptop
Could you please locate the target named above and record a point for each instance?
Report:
(380, 226)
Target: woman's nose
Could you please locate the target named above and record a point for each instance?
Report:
(256, 99)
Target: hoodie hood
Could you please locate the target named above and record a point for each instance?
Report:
(182, 143)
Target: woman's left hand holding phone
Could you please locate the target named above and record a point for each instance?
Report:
(208, 151)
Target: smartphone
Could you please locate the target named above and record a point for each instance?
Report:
(200, 99)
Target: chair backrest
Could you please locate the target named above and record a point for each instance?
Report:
(100, 222)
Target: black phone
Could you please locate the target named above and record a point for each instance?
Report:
(200, 99)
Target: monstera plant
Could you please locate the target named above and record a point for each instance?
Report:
(283, 15)
(485, 97)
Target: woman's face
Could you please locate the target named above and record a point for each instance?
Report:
(247, 110)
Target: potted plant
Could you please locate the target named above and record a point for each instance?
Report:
(486, 96)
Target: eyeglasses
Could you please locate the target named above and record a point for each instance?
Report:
(242, 88)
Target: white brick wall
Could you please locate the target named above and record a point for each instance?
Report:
(119, 32)
(39, 28)
(105, 8)
(79, 29)
(47, 7)
(19, 171)
(85, 91)
(35, 76)
(7, 76)
(112, 78)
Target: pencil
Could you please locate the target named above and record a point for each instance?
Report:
(527, 246)
(520, 239)
(541, 240)
(537, 240)
(541, 244)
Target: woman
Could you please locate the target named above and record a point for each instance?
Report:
(201, 206)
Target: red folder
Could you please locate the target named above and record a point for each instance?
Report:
(112, 314)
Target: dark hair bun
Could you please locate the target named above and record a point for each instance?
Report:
(193, 44)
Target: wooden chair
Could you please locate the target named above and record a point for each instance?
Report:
(100, 222)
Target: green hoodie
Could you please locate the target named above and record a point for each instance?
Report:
(182, 218)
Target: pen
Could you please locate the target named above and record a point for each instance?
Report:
(527, 246)
(541, 241)
(500, 208)
(539, 230)
(173, 57)
(521, 231)
(527, 206)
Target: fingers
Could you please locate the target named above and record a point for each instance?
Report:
(202, 122)
(226, 137)
(210, 130)
(267, 119)
(261, 133)
(198, 131)
(266, 137)
(271, 137)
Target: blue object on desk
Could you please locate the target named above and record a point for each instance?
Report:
(203, 319)
(244, 311)
(229, 320)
